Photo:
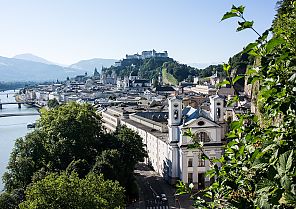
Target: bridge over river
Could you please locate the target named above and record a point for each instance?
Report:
(19, 104)
(18, 114)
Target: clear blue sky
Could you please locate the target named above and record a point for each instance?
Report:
(66, 31)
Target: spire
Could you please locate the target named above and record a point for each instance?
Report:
(96, 73)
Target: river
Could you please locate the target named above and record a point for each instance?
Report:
(12, 128)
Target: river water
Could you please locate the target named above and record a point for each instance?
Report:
(12, 128)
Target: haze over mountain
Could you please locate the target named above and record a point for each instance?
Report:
(91, 64)
(203, 65)
(29, 67)
(12, 69)
(32, 57)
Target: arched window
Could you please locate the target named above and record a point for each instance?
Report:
(176, 114)
(218, 112)
(202, 137)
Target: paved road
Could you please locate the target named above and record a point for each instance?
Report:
(151, 186)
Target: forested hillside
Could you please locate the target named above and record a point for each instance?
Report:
(150, 68)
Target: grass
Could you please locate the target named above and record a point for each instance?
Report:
(168, 78)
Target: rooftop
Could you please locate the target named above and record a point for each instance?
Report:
(162, 136)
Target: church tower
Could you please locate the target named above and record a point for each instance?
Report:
(217, 108)
(174, 121)
(175, 117)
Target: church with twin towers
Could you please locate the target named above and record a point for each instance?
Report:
(169, 149)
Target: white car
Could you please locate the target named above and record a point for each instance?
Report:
(163, 198)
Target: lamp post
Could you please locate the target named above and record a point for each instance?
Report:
(177, 200)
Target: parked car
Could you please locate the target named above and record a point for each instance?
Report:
(163, 197)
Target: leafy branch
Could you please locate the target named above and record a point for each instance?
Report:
(258, 167)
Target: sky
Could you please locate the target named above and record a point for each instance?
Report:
(66, 31)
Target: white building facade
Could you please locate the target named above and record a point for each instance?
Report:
(168, 149)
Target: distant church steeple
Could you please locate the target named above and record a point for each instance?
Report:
(96, 73)
(160, 78)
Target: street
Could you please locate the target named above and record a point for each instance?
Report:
(155, 193)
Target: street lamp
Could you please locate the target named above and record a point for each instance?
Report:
(177, 200)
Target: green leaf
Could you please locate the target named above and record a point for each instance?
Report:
(252, 80)
(235, 125)
(237, 78)
(260, 166)
(249, 47)
(245, 25)
(264, 36)
(264, 184)
(285, 162)
(289, 161)
(241, 9)
(208, 194)
(231, 135)
(233, 100)
(292, 78)
(282, 57)
(205, 157)
(289, 197)
(210, 173)
(286, 182)
(269, 147)
(228, 15)
(188, 133)
(273, 43)
(222, 83)
(226, 67)
(253, 53)
(251, 71)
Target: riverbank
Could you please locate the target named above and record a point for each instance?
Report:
(12, 128)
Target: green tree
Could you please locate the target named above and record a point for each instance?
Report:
(125, 150)
(131, 147)
(68, 191)
(70, 138)
(28, 156)
(258, 168)
(68, 133)
(8, 201)
(111, 165)
(73, 131)
(52, 103)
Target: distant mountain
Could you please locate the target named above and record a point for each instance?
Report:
(12, 69)
(203, 65)
(29, 67)
(33, 58)
(89, 65)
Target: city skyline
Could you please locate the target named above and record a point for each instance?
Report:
(66, 32)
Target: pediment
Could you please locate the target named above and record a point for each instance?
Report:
(200, 122)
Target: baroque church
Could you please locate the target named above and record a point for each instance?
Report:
(208, 128)
(169, 149)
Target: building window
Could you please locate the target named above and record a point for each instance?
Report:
(200, 123)
(176, 114)
(201, 161)
(190, 178)
(203, 137)
(218, 112)
(190, 162)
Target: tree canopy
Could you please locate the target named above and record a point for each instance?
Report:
(70, 138)
(68, 191)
